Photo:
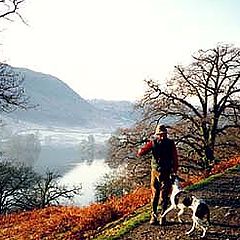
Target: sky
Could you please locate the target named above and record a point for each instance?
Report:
(106, 48)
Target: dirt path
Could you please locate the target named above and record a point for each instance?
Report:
(223, 197)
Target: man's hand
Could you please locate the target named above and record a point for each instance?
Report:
(138, 153)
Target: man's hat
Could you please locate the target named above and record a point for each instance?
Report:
(160, 129)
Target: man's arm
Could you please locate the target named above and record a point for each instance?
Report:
(145, 149)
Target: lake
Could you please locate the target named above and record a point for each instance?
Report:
(87, 175)
(60, 153)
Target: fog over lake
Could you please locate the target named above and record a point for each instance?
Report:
(75, 154)
(60, 152)
(88, 175)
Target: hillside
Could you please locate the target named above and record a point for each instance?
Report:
(58, 105)
(128, 218)
(221, 194)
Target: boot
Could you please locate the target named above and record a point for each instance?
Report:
(163, 221)
(154, 219)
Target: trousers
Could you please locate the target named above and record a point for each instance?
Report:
(161, 188)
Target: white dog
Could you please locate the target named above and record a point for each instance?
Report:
(201, 215)
(181, 199)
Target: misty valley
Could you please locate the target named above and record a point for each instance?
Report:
(77, 155)
(55, 129)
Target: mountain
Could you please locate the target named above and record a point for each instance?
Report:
(58, 105)
(122, 113)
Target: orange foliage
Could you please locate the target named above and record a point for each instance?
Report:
(225, 164)
(192, 180)
(218, 168)
(70, 223)
(128, 203)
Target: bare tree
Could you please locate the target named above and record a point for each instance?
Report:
(10, 8)
(123, 147)
(21, 188)
(46, 192)
(13, 181)
(11, 91)
(203, 97)
(12, 94)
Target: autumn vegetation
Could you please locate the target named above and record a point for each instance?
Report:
(69, 222)
(59, 222)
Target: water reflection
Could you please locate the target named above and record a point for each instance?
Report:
(87, 175)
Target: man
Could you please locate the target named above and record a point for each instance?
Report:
(164, 163)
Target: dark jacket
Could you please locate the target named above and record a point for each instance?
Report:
(164, 154)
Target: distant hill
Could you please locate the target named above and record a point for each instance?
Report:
(58, 105)
(122, 113)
